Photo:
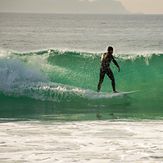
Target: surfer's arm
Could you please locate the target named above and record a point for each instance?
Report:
(102, 56)
(115, 62)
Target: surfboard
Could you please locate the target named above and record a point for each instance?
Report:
(104, 95)
(121, 93)
(108, 95)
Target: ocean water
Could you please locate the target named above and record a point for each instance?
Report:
(49, 66)
(129, 34)
(49, 70)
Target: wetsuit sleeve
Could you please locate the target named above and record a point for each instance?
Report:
(115, 62)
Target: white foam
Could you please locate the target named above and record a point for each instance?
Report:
(4, 53)
(93, 142)
(13, 71)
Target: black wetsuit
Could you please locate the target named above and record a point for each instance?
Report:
(105, 69)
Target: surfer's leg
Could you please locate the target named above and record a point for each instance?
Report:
(111, 76)
(102, 75)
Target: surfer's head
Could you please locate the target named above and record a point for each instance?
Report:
(110, 50)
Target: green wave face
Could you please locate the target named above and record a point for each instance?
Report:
(52, 84)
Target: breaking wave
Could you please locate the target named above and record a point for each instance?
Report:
(69, 79)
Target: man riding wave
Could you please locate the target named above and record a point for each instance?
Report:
(105, 68)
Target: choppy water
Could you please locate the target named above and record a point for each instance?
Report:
(56, 83)
(127, 33)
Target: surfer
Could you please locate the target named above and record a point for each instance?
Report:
(105, 68)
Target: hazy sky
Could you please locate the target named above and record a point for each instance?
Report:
(63, 6)
(83, 6)
(144, 6)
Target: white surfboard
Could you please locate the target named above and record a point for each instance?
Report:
(104, 95)
(121, 93)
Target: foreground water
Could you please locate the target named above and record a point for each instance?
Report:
(92, 142)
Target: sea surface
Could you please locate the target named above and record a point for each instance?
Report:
(49, 70)
(49, 66)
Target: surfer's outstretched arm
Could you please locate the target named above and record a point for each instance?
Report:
(115, 62)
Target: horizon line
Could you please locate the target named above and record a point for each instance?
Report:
(17, 12)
